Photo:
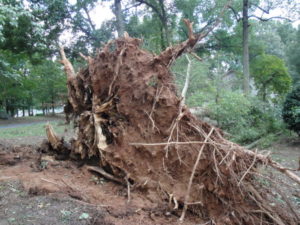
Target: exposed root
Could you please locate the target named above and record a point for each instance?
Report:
(187, 195)
(130, 118)
(105, 174)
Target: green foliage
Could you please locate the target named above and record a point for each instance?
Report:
(231, 110)
(51, 82)
(246, 118)
(200, 88)
(291, 110)
(270, 75)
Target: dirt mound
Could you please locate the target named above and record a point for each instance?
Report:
(130, 118)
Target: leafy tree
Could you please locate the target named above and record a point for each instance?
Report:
(50, 84)
(291, 110)
(247, 11)
(270, 75)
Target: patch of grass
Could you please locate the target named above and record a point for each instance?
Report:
(31, 130)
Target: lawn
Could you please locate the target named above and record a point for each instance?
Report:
(35, 129)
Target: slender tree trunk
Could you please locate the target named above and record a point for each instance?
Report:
(53, 111)
(246, 47)
(162, 38)
(264, 94)
(119, 18)
(164, 24)
(6, 106)
(23, 111)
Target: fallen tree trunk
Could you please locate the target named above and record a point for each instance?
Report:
(128, 114)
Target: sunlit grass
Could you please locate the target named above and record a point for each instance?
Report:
(32, 130)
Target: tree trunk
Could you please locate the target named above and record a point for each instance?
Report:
(164, 22)
(23, 111)
(119, 18)
(52, 104)
(246, 47)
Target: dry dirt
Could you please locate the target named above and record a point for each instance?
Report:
(37, 189)
(42, 190)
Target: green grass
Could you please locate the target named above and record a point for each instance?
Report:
(32, 130)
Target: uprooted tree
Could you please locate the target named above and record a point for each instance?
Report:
(128, 115)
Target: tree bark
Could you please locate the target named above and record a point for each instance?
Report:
(246, 47)
(119, 18)
(164, 21)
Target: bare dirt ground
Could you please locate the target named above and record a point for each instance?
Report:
(38, 189)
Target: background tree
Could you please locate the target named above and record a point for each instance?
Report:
(265, 7)
(291, 110)
(270, 75)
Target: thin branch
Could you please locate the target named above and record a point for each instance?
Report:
(236, 15)
(196, 56)
(105, 174)
(273, 17)
(187, 78)
(155, 9)
(247, 171)
(132, 6)
(68, 67)
(167, 143)
(187, 195)
(89, 18)
(267, 11)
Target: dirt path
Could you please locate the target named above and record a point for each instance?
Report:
(287, 153)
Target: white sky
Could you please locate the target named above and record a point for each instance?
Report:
(101, 13)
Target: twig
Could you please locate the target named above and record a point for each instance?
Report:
(68, 67)
(247, 171)
(153, 107)
(187, 79)
(169, 143)
(175, 124)
(265, 208)
(51, 182)
(186, 199)
(175, 203)
(196, 56)
(53, 139)
(128, 189)
(105, 174)
(116, 69)
(195, 203)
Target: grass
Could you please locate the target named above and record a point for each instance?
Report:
(32, 130)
